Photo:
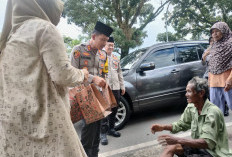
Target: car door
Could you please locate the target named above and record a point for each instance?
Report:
(188, 58)
(159, 84)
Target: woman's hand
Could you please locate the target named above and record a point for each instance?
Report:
(86, 74)
(205, 54)
(228, 85)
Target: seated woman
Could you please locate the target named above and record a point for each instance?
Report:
(206, 121)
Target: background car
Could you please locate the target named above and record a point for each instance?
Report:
(157, 76)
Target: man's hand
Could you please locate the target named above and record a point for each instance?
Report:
(86, 74)
(167, 139)
(99, 81)
(123, 91)
(156, 128)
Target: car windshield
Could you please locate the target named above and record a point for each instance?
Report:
(128, 61)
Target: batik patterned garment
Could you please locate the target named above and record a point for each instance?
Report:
(221, 51)
(34, 103)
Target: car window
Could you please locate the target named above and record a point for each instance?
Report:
(200, 51)
(205, 45)
(187, 54)
(161, 58)
(128, 61)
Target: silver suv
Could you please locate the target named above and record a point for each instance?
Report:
(157, 76)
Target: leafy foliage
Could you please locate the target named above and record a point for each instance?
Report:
(70, 43)
(197, 16)
(127, 17)
(162, 37)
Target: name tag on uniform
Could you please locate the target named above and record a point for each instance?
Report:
(85, 57)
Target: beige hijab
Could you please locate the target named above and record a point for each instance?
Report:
(18, 11)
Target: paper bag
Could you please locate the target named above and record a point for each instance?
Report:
(91, 103)
(109, 96)
(75, 111)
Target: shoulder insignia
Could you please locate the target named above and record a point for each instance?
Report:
(88, 47)
(115, 64)
(102, 57)
(77, 54)
(115, 57)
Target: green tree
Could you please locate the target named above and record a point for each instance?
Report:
(162, 37)
(197, 16)
(127, 17)
(70, 43)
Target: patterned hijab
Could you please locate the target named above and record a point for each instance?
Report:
(221, 51)
(19, 11)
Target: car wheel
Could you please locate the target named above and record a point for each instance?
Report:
(123, 114)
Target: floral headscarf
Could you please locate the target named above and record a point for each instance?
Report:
(221, 51)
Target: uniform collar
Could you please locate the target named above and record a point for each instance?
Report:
(89, 48)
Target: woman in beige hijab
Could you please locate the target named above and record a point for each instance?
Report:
(34, 75)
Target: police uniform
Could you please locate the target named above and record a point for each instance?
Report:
(84, 57)
(114, 77)
(115, 80)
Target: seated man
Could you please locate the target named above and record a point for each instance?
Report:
(206, 121)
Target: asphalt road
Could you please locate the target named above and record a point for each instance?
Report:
(136, 136)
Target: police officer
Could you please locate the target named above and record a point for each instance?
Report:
(91, 57)
(114, 78)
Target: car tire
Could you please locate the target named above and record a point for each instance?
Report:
(123, 114)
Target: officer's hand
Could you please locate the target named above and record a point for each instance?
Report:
(99, 81)
(86, 74)
(123, 91)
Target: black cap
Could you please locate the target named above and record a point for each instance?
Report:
(103, 28)
(111, 39)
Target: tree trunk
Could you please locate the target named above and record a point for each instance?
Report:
(125, 48)
(124, 51)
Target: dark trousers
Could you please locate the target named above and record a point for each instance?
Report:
(194, 152)
(90, 138)
(109, 122)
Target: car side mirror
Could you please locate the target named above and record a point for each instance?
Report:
(147, 66)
